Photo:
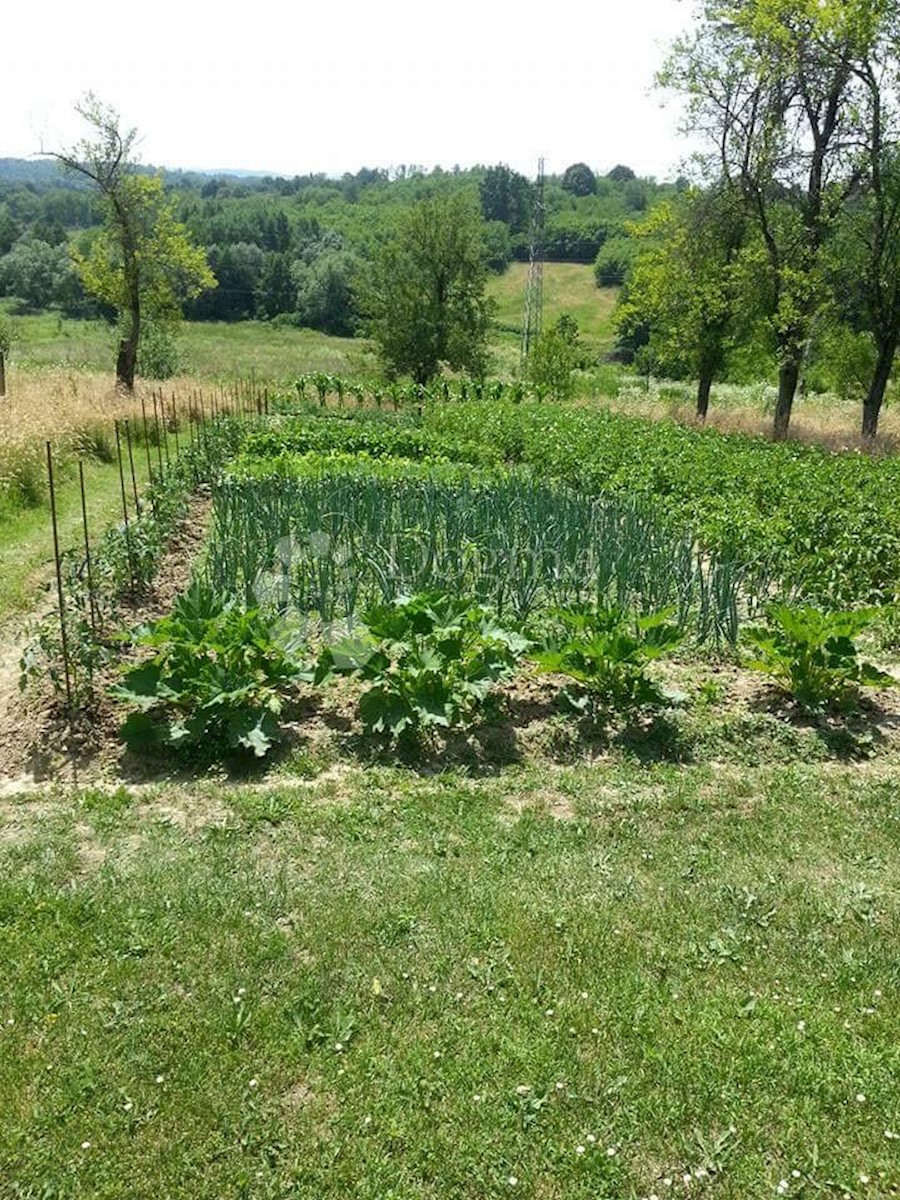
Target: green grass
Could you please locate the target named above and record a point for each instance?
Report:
(379, 985)
(210, 349)
(568, 288)
(216, 350)
(26, 545)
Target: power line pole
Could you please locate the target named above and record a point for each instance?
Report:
(534, 290)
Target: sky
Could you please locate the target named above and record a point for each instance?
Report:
(341, 84)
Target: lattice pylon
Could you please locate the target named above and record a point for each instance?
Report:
(532, 318)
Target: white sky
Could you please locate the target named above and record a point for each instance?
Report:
(333, 85)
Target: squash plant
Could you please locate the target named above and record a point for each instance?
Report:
(217, 678)
(812, 656)
(429, 660)
(605, 653)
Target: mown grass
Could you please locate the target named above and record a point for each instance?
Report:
(606, 982)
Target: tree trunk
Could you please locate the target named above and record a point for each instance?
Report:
(788, 377)
(875, 396)
(703, 390)
(2, 373)
(126, 360)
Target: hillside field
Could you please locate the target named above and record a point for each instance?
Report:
(216, 350)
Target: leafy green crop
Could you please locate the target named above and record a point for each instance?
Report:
(811, 655)
(605, 652)
(826, 526)
(431, 662)
(217, 678)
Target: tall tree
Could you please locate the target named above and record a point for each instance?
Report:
(687, 282)
(579, 179)
(425, 295)
(774, 86)
(505, 196)
(870, 247)
(143, 261)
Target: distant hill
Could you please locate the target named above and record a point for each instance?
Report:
(44, 173)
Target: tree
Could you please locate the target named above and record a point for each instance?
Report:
(554, 357)
(868, 255)
(505, 196)
(579, 180)
(686, 284)
(8, 335)
(36, 273)
(425, 295)
(324, 291)
(143, 262)
(621, 174)
(774, 87)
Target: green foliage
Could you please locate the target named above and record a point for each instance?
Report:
(36, 273)
(553, 359)
(331, 534)
(579, 179)
(505, 197)
(425, 296)
(159, 352)
(812, 656)
(217, 678)
(605, 652)
(613, 261)
(430, 660)
(686, 287)
(146, 247)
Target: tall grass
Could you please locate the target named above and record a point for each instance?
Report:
(75, 411)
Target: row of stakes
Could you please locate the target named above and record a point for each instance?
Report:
(244, 398)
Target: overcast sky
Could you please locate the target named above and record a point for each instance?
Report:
(333, 86)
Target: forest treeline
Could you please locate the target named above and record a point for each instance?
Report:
(292, 249)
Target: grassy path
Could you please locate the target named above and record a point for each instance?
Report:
(606, 982)
(26, 545)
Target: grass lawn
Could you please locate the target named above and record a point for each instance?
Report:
(610, 981)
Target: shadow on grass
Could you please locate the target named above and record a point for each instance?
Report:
(848, 736)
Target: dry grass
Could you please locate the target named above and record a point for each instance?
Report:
(72, 409)
(824, 420)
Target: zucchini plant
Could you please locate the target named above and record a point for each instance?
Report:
(812, 656)
(605, 653)
(429, 662)
(217, 678)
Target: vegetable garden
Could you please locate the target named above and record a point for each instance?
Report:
(447, 546)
